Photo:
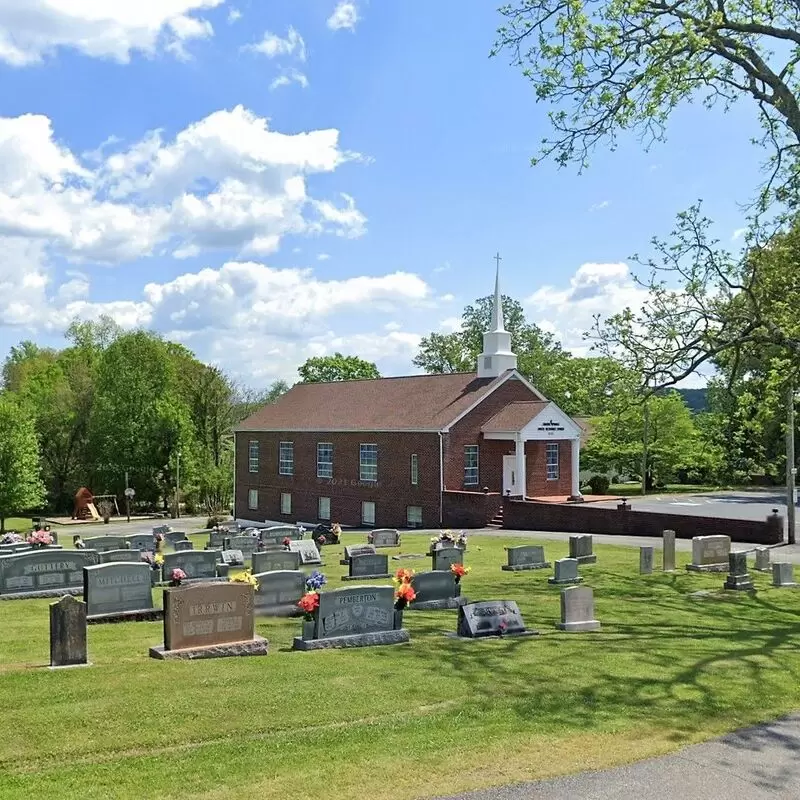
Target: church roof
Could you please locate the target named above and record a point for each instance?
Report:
(413, 403)
(514, 417)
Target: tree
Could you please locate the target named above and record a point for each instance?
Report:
(626, 65)
(323, 369)
(21, 488)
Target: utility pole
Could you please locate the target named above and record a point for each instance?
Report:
(645, 436)
(178, 486)
(791, 470)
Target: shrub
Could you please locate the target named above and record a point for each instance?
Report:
(599, 484)
(214, 520)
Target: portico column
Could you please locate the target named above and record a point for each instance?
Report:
(576, 470)
(519, 452)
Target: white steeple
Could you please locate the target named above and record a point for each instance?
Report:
(496, 357)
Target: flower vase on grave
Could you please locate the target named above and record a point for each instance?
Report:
(398, 619)
(308, 629)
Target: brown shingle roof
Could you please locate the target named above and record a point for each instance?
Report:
(514, 417)
(416, 402)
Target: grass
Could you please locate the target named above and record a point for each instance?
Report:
(433, 717)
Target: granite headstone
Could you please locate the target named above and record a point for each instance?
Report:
(783, 575)
(436, 590)
(68, 633)
(525, 556)
(646, 560)
(44, 573)
(738, 577)
(307, 549)
(102, 543)
(279, 592)
(710, 553)
(197, 564)
(118, 590)
(565, 571)
(668, 550)
(580, 548)
(275, 560)
(108, 556)
(445, 557)
(385, 537)
(577, 610)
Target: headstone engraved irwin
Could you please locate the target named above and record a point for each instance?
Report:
(279, 592)
(368, 566)
(526, 556)
(668, 550)
(444, 558)
(385, 537)
(783, 575)
(119, 592)
(436, 590)
(307, 549)
(738, 577)
(577, 610)
(710, 553)
(275, 560)
(580, 548)
(565, 571)
(44, 573)
(358, 616)
(209, 620)
(68, 633)
(357, 550)
(199, 565)
(491, 618)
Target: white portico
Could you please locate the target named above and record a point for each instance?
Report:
(541, 422)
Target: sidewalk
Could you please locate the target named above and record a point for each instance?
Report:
(758, 763)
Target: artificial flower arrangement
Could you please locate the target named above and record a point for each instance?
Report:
(11, 538)
(176, 576)
(336, 532)
(158, 559)
(286, 542)
(246, 577)
(309, 602)
(459, 571)
(448, 537)
(404, 594)
(40, 539)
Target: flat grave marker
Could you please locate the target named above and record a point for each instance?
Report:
(491, 618)
(525, 556)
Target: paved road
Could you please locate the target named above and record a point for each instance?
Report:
(753, 764)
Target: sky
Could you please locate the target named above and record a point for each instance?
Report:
(269, 180)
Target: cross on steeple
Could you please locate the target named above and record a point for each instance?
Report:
(498, 260)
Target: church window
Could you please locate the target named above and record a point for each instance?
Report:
(552, 461)
(252, 499)
(471, 465)
(286, 458)
(286, 503)
(414, 469)
(368, 462)
(368, 513)
(324, 460)
(252, 455)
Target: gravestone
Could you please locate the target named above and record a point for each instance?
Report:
(44, 573)
(246, 545)
(668, 551)
(184, 544)
(278, 592)
(102, 543)
(358, 616)
(783, 575)
(526, 556)
(646, 560)
(577, 610)
(276, 560)
(307, 549)
(14, 547)
(275, 534)
(436, 590)
(68, 633)
(173, 537)
(762, 559)
(738, 577)
(710, 553)
(444, 558)
(162, 529)
(491, 618)
(118, 592)
(141, 541)
(580, 548)
(199, 565)
(357, 550)
(385, 537)
(216, 539)
(107, 556)
(232, 558)
(565, 571)
(368, 566)
(209, 620)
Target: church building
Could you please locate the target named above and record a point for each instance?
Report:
(419, 451)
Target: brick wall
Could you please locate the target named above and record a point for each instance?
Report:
(518, 515)
(392, 493)
(469, 509)
(536, 467)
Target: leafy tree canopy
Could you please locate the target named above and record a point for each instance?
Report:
(323, 369)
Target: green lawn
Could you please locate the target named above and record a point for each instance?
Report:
(432, 717)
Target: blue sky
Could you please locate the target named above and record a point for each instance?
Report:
(259, 250)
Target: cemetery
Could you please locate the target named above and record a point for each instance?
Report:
(474, 656)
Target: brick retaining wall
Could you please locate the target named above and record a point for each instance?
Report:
(469, 509)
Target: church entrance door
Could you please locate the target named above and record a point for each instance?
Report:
(510, 475)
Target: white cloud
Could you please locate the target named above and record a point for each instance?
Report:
(273, 46)
(392, 326)
(738, 233)
(288, 77)
(30, 30)
(234, 15)
(323, 257)
(450, 324)
(569, 311)
(344, 16)
(441, 268)
(600, 206)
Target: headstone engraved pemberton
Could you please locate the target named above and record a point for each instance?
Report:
(44, 573)
(68, 633)
(365, 566)
(668, 550)
(109, 556)
(209, 620)
(646, 560)
(710, 553)
(436, 590)
(199, 565)
(118, 592)
(580, 548)
(762, 559)
(385, 537)
(278, 592)
(491, 618)
(447, 556)
(275, 560)
(357, 550)
(783, 575)
(307, 549)
(738, 577)
(577, 610)
(358, 616)
(565, 571)
(526, 556)
(103, 543)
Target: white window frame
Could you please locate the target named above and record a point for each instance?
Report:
(414, 469)
(252, 493)
(325, 468)
(367, 471)
(286, 503)
(416, 522)
(365, 504)
(552, 465)
(285, 465)
(320, 504)
(253, 455)
(471, 472)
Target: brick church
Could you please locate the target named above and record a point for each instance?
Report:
(419, 451)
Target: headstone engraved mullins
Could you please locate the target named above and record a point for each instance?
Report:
(577, 610)
(279, 592)
(710, 553)
(118, 590)
(526, 556)
(68, 633)
(44, 573)
(580, 548)
(442, 559)
(274, 560)
(368, 566)
(491, 618)
(436, 590)
(668, 550)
